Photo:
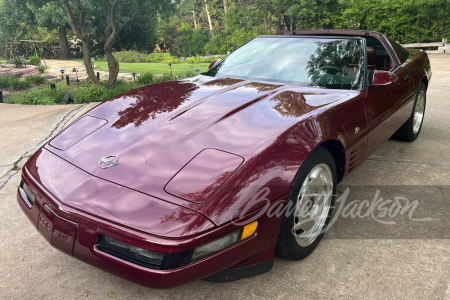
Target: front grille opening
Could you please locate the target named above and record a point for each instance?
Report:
(142, 257)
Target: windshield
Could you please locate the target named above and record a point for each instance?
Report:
(335, 63)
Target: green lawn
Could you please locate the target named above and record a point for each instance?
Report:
(155, 68)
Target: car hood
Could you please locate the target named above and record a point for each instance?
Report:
(153, 132)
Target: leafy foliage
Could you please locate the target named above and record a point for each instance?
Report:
(196, 28)
(36, 79)
(34, 60)
(12, 82)
(17, 61)
(87, 92)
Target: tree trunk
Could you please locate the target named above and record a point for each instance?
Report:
(64, 50)
(208, 15)
(82, 35)
(88, 63)
(225, 6)
(113, 66)
(195, 19)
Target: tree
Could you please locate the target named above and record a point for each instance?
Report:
(51, 15)
(13, 18)
(111, 32)
(87, 24)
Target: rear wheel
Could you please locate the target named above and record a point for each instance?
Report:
(309, 206)
(411, 129)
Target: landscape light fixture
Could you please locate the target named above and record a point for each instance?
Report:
(62, 71)
(77, 81)
(170, 66)
(134, 75)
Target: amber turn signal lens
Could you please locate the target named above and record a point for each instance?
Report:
(249, 230)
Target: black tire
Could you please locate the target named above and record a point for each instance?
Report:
(410, 131)
(287, 245)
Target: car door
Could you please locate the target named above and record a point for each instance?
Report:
(388, 107)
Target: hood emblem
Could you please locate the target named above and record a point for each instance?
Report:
(108, 161)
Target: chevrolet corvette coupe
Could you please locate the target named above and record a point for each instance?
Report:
(209, 177)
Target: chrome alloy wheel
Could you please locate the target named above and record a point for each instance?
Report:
(313, 205)
(419, 110)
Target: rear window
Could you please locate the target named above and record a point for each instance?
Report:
(401, 52)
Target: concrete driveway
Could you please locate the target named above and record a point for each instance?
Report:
(360, 257)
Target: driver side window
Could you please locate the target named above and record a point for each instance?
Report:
(377, 55)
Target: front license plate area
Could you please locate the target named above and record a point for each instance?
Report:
(59, 232)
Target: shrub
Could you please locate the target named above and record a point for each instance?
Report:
(6, 81)
(91, 93)
(120, 89)
(10, 81)
(146, 78)
(36, 79)
(41, 69)
(20, 85)
(157, 57)
(41, 96)
(34, 60)
(130, 56)
(17, 62)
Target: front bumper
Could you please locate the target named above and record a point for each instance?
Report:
(76, 232)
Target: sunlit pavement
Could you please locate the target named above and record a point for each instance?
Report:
(357, 259)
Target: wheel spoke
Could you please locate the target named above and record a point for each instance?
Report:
(419, 112)
(313, 204)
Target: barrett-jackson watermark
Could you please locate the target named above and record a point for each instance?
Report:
(382, 210)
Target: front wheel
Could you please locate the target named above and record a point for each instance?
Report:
(411, 129)
(309, 206)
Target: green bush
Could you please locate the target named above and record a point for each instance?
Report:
(36, 79)
(40, 95)
(130, 56)
(157, 57)
(20, 85)
(34, 60)
(91, 93)
(146, 78)
(6, 81)
(136, 57)
(17, 62)
(10, 81)
(41, 69)
(87, 92)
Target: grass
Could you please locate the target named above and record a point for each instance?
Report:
(154, 68)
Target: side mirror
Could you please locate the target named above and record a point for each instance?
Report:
(214, 63)
(381, 78)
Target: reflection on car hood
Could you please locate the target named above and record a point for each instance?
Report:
(155, 130)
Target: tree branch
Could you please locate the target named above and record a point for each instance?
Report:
(67, 8)
(82, 18)
(128, 21)
(111, 30)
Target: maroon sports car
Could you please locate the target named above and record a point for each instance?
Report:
(208, 177)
